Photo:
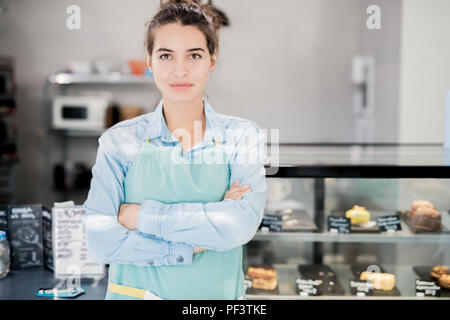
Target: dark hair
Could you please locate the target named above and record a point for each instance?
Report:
(189, 13)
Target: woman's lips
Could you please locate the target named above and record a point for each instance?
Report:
(181, 86)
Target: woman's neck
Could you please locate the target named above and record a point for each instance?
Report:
(185, 118)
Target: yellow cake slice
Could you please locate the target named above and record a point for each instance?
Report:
(380, 281)
(358, 215)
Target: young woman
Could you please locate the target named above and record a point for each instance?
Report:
(176, 192)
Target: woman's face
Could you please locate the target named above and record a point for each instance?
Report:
(180, 56)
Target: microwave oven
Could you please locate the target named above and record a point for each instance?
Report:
(79, 112)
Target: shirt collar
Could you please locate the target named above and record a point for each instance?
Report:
(215, 131)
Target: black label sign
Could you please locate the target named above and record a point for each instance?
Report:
(389, 223)
(276, 227)
(267, 218)
(247, 283)
(274, 223)
(341, 224)
(427, 289)
(307, 287)
(361, 288)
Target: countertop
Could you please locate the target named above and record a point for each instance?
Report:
(23, 285)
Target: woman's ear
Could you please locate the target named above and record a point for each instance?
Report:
(213, 61)
(149, 62)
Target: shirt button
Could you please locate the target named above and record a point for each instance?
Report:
(150, 262)
(180, 259)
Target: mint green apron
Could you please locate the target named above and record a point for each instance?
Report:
(164, 174)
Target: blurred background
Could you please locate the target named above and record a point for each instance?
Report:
(312, 68)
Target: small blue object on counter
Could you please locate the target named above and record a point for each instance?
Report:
(60, 293)
(4, 255)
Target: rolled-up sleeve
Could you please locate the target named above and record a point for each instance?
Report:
(108, 241)
(221, 225)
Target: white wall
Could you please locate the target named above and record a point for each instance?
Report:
(424, 70)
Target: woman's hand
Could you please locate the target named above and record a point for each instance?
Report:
(198, 249)
(128, 214)
(236, 191)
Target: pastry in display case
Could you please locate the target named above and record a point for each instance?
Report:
(439, 271)
(444, 281)
(360, 219)
(263, 279)
(423, 216)
(382, 281)
(358, 215)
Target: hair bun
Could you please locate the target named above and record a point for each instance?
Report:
(194, 2)
(215, 16)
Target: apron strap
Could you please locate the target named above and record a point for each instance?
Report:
(128, 291)
(132, 292)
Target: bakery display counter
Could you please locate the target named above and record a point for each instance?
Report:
(343, 203)
(405, 286)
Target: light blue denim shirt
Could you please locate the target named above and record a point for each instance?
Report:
(167, 231)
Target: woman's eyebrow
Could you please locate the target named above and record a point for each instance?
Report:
(193, 49)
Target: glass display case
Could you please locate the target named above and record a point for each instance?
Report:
(315, 244)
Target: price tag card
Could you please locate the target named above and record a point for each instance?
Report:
(270, 218)
(272, 222)
(427, 289)
(341, 224)
(247, 283)
(361, 288)
(389, 223)
(307, 287)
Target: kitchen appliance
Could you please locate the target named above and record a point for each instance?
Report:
(80, 112)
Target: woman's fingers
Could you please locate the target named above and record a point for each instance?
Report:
(234, 184)
(240, 191)
(236, 191)
(236, 195)
(232, 195)
(240, 188)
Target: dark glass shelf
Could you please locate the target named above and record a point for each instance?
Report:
(360, 161)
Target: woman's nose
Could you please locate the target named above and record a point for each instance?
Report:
(181, 69)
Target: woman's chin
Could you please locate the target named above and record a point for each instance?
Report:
(183, 96)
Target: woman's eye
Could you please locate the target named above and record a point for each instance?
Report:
(196, 56)
(164, 56)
